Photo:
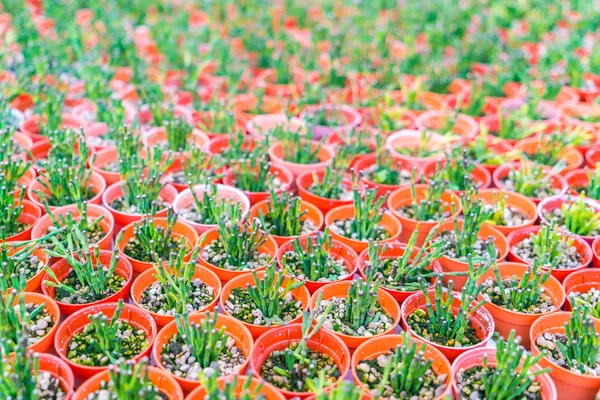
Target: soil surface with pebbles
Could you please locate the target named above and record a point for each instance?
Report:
(417, 321)
(241, 306)
(215, 254)
(335, 320)
(547, 341)
(591, 297)
(558, 216)
(49, 387)
(336, 267)
(408, 211)
(570, 259)
(344, 228)
(40, 325)
(84, 294)
(344, 193)
(374, 174)
(470, 383)
(177, 358)
(546, 190)
(479, 247)
(511, 216)
(492, 291)
(154, 298)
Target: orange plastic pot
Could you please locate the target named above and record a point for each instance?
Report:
(475, 357)
(596, 253)
(581, 245)
(58, 369)
(269, 391)
(22, 140)
(453, 265)
(300, 294)
(402, 197)
(52, 308)
(107, 224)
(556, 202)
(592, 157)
(481, 320)
(165, 383)
(581, 281)
(337, 250)
(395, 250)
(185, 200)
(30, 215)
(547, 111)
(340, 289)
(104, 157)
(569, 385)
(388, 222)
(325, 156)
(79, 320)
(306, 180)
(464, 125)
(235, 330)
(181, 229)
(365, 162)
(148, 277)
(382, 345)
(480, 175)
(33, 283)
(269, 247)
(570, 155)
(96, 182)
(322, 341)
(507, 320)
(115, 191)
(31, 125)
(513, 200)
(282, 173)
(577, 179)
(408, 138)
(502, 171)
(243, 105)
(62, 269)
(312, 214)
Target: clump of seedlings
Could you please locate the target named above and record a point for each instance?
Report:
(11, 208)
(208, 380)
(592, 189)
(208, 208)
(18, 317)
(90, 228)
(268, 302)
(12, 169)
(512, 377)
(314, 262)
(402, 372)
(464, 242)
(531, 180)
(479, 151)
(577, 349)
(343, 391)
(240, 148)
(517, 125)
(589, 300)
(284, 216)
(438, 323)
(65, 182)
(549, 149)
(141, 183)
(426, 148)
(20, 375)
(404, 272)
(431, 208)
(155, 243)
(177, 132)
(87, 281)
(199, 347)
(365, 225)
(387, 170)
(128, 380)
(550, 247)
(331, 185)
(297, 148)
(359, 313)
(197, 167)
(254, 176)
(525, 295)
(501, 215)
(456, 170)
(578, 217)
(237, 248)
(106, 341)
(295, 366)
(176, 291)
(19, 261)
